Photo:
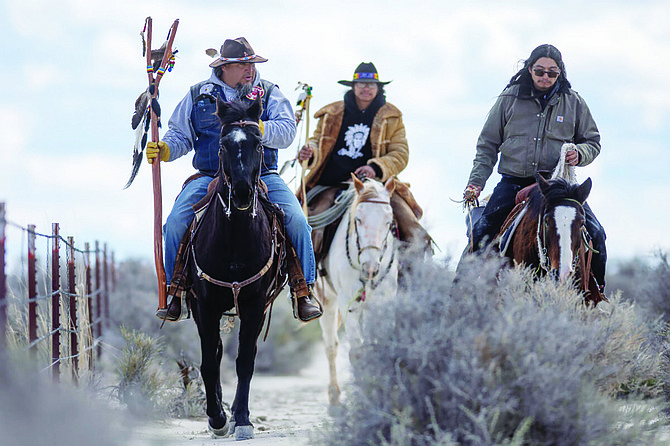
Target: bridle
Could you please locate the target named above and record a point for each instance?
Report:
(226, 180)
(236, 286)
(382, 251)
(542, 236)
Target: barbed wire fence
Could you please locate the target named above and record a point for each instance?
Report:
(71, 309)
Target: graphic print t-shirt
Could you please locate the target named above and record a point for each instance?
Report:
(352, 148)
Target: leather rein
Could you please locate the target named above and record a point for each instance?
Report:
(236, 286)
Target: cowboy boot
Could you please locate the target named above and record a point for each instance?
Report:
(304, 308)
(176, 309)
(302, 296)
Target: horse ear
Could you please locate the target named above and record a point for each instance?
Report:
(390, 185)
(255, 109)
(584, 190)
(544, 184)
(221, 107)
(358, 184)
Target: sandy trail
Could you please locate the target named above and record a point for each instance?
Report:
(285, 410)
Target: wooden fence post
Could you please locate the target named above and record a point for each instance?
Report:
(32, 291)
(106, 285)
(55, 303)
(74, 350)
(89, 303)
(98, 299)
(113, 273)
(3, 280)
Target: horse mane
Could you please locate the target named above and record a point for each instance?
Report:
(369, 193)
(558, 190)
(235, 111)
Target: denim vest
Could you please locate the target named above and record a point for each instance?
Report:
(207, 127)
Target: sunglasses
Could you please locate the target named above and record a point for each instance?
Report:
(551, 74)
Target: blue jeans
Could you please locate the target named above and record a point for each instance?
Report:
(296, 223)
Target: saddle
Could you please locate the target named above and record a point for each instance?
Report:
(181, 284)
(514, 218)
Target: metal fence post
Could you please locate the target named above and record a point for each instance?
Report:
(3, 279)
(55, 303)
(32, 291)
(74, 350)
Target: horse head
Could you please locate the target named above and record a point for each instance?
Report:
(560, 225)
(371, 221)
(240, 150)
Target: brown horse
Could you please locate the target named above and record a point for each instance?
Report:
(550, 234)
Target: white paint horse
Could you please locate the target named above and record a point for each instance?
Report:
(362, 264)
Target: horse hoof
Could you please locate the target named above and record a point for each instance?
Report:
(244, 432)
(221, 432)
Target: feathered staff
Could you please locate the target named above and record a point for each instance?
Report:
(147, 115)
(303, 103)
(141, 120)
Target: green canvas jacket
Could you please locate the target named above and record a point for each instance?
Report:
(529, 139)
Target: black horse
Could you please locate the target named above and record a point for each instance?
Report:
(235, 251)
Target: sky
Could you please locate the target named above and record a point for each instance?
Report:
(71, 71)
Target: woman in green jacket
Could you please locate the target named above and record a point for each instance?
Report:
(533, 117)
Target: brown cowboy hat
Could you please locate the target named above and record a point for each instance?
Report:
(233, 51)
(365, 72)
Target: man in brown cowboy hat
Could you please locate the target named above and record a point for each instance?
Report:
(365, 135)
(193, 126)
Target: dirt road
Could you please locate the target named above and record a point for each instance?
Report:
(285, 410)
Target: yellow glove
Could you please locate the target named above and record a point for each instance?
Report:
(261, 127)
(154, 148)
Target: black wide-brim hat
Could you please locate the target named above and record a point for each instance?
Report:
(234, 51)
(365, 72)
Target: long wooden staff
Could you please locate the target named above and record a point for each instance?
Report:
(156, 166)
(304, 111)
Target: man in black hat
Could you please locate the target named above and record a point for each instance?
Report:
(194, 126)
(365, 135)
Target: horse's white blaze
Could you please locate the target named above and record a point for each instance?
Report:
(371, 235)
(238, 135)
(564, 216)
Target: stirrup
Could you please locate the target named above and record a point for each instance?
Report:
(312, 298)
(165, 315)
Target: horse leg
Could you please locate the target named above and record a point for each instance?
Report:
(251, 322)
(212, 351)
(329, 323)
